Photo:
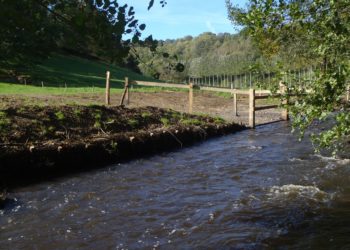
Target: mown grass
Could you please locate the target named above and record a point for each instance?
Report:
(11, 88)
(20, 89)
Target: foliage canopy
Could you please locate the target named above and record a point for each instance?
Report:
(31, 29)
(317, 31)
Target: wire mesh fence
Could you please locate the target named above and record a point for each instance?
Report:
(256, 79)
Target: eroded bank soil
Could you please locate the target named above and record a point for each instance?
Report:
(37, 142)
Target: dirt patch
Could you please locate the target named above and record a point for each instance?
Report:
(204, 103)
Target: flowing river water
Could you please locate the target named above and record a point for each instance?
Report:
(256, 189)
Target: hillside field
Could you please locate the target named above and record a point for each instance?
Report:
(69, 74)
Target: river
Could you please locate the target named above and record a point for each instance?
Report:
(256, 189)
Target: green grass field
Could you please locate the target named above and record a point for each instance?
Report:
(20, 89)
(62, 74)
(10, 88)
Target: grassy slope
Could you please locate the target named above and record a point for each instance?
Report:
(78, 72)
(79, 75)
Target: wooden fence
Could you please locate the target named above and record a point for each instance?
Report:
(252, 94)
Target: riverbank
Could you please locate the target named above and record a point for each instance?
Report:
(40, 142)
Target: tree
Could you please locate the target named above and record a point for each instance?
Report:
(315, 31)
(26, 33)
(97, 27)
(205, 55)
(31, 29)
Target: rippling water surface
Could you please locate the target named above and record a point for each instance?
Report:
(257, 189)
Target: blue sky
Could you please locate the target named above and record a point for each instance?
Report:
(183, 17)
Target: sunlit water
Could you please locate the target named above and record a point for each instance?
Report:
(256, 189)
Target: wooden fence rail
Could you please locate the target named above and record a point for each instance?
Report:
(159, 84)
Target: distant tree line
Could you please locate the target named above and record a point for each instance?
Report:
(209, 55)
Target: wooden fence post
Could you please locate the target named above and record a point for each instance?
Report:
(108, 87)
(235, 104)
(252, 108)
(190, 96)
(126, 92)
(283, 90)
(347, 93)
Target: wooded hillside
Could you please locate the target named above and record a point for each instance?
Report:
(210, 54)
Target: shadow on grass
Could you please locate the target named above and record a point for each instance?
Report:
(72, 71)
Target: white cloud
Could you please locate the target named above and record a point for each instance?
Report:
(210, 27)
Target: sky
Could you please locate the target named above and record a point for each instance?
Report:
(180, 18)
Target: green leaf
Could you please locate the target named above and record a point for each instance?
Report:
(150, 5)
(142, 27)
